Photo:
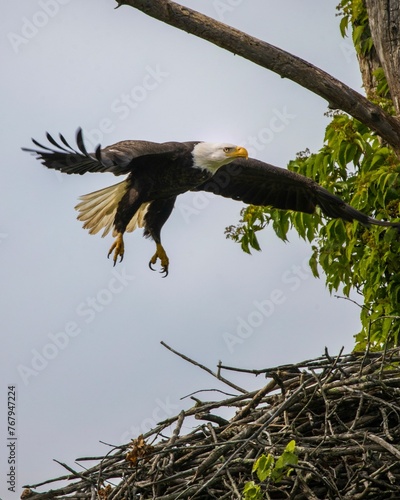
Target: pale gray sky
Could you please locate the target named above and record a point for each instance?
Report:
(81, 340)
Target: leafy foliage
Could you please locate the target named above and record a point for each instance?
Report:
(354, 13)
(354, 164)
(267, 468)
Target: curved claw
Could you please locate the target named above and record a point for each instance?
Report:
(118, 247)
(160, 254)
(164, 270)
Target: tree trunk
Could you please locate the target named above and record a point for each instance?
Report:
(368, 64)
(384, 22)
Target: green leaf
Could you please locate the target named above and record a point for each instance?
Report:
(252, 491)
(245, 243)
(253, 241)
(350, 152)
(377, 160)
(313, 263)
(341, 157)
(287, 458)
(291, 446)
(263, 466)
(343, 26)
(357, 33)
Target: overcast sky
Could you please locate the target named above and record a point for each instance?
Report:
(81, 339)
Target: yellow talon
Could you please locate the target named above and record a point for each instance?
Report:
(160, 254)
(118, 247)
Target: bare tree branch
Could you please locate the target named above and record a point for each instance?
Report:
(338, 95)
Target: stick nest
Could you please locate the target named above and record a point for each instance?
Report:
(343, 413)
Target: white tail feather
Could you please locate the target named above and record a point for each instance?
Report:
(97, 210)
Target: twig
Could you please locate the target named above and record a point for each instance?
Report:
(222, 379)
(207, 390)
(389, 447)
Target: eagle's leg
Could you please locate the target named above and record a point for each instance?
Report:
(128, 205)
(118, 248)
(162, 255)
(156, 216)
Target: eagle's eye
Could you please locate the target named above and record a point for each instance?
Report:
(227, 150)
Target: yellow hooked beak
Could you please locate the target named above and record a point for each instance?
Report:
(239, 152)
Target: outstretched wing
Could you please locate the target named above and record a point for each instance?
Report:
(258, 183)
(118, 159)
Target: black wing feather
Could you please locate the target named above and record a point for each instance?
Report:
(80, 143)
(258, 183)
(65, 158)
(55, 143)
(97, 153)
(64, 141)
(36, 143)
(120, 158)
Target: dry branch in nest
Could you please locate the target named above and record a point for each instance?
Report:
(343, 413)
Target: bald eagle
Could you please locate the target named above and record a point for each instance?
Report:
(158, 172)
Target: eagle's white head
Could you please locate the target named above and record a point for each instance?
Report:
(213, 155)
